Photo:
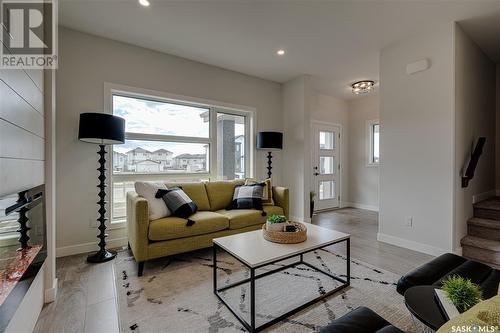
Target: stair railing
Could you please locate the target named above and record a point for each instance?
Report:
(472, 164)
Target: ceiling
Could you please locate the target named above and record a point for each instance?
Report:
(337, 42)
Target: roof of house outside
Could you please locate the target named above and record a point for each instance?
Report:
(163, 151)
(191, 156)
(139, 150)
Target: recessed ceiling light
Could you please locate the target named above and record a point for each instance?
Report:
(280, 52)
(144, 3)
(362, 87)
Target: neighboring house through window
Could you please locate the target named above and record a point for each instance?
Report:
(169, 140)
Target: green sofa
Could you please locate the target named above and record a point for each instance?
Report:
(170, 235)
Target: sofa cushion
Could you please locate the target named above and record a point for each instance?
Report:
(157, 207)
(175, 227)
(241, 218)
(430, 272)
(220, 193)
(360, 320)
(273, 210)
(247, 197)
(267, 197)
(438, 269)
(483, 314)
(197, 193)
(178, 202)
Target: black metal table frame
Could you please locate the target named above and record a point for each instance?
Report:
(251, 326)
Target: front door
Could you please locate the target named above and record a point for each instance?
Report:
(326, 165)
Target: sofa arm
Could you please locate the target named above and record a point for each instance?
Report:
(280, 197)
(138, 224)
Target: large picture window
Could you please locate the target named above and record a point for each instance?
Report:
(176, 141)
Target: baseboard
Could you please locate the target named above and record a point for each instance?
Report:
(458, 250)
(360, 206)
(483, 196)
(300, 219)
(51, 293)
(65, 251)
(412, 245)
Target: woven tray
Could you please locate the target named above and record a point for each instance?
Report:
(283, 237)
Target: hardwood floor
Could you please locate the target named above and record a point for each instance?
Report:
(86, 299)
(362, 225)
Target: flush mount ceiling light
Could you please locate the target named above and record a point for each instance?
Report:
(280, 52)
(144, 3)
(362, 87)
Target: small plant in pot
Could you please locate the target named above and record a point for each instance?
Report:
(463, 293)
(276, 223)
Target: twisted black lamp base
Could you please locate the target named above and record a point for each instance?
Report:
(103, 254)
(269, 164)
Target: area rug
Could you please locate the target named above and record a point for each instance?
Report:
(175, 294)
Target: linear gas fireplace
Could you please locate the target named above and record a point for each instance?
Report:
(23, 247)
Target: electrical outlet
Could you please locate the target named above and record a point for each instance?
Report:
(409, 221)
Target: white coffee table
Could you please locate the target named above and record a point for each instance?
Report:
(253, 251)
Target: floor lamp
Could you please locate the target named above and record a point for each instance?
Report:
(270, 141)
(102, 129)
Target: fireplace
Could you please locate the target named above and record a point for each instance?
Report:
(23, 247)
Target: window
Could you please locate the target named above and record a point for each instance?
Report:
(176, 141)
(373, 142)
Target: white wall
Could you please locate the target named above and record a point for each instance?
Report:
(363, 179)
(296, 143)
(474, 117)
(417, 143)
(85, 63)
(325, 108)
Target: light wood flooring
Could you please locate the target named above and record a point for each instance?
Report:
(86, 299)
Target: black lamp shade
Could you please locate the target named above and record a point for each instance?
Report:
(270, 140)
(101, 128)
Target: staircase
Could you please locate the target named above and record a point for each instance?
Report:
(482, 242)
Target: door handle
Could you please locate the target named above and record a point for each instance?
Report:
(316, 174)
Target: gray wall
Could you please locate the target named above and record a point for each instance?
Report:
(363, 179)
(86, 62)
(417, 143)
(474, 117)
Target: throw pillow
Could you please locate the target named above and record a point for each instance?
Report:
(147, 190)
(178, 202)
(247, 197)
(483, 314)
(267, 197)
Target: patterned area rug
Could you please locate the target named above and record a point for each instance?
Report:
(175, 294)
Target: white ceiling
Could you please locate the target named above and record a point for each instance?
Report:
(338, 42)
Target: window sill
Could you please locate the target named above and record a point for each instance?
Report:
(372, 165)
(119, 223)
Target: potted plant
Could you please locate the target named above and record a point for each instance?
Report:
(312, 194)
(276, 223)
(463, 293)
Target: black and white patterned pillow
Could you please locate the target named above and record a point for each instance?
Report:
(248, 196)
(177, 202)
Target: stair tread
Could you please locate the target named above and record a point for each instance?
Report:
(491, 203)
(486, 223)
(487, 244)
